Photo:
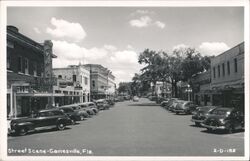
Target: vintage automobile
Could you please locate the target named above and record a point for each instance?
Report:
(222, 118)
(43, 119)
(111, 102)
(169, 103)
(82, 112)
(73, 115)
(186, 107)
(136, 99)
(90, 107)
(201, 113)
(102, 104)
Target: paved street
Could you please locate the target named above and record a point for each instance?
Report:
(131, 129)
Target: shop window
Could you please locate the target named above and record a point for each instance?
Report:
(93, 83)
(8, 60)
(35, 68)
(59, 76)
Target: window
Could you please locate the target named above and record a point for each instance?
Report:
(218, 70)
(228, 68)
(8, 61)
(26, 66)
(20, 66)
(223, 69)
(35, 69)
(86, 80)
(235, 65)
(59, 76)
(93, 83)
(74, 78)
(214, 72)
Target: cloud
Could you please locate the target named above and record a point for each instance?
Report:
(160, 24)
(180, 47)
(212, 48)
(123, 63)
(144, 12)
(37, 30)
(67, 29)
(143, 21)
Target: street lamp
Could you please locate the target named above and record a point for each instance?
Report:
(189, 90)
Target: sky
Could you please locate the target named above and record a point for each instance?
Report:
(115, 36)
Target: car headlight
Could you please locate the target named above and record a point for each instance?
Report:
(222, 121)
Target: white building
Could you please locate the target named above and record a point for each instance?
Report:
(74, 83)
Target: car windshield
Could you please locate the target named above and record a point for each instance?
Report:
(221, 112)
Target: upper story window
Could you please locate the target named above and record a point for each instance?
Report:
(228, 67)
(59, 76)
(214, 72)
(20, 64)
(35, 68)
(93, 83)
(26, 66)
(218, 70)
(8, 61)
(74, 78)
(235, 65)
(86, 80)
(223, 69)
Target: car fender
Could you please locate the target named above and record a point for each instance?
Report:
(28, 125)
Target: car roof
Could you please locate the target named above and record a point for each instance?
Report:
(225, 108)
(47, 110)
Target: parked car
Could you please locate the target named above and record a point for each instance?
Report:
(201, 113)
(73, 115)
(102, 104)
(82, 112)
(169, 103)
(161, 99)
(227, 119)
(186, 107)
(136, 99)
(43, 119)
(111, 102)
(174, 104)
(90, 107)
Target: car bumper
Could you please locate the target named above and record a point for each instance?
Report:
(196, 120)
(214, 127)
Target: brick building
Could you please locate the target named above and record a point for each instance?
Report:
(29, 74)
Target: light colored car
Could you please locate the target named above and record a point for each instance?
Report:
(136, 99)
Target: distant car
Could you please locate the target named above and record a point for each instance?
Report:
(73, 115)
(43, 119)
(169, 103)
(82, 112)
(222, 118)
(90, 107)
(186, 107)
(102, 104)
(173, 105)
(136, 99)
(161, 99)
(111, 102)
(201, 113)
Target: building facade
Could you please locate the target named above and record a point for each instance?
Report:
(73, 85)
(227, 77)
(29, 74)
(102, 81)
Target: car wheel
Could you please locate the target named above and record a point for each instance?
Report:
(230, 130)
(60, 126)
(177, 113)
(209, 129)
(197, 124)
(73, 122)
(81, 117)
(22, 131)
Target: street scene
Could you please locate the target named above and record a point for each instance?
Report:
(125, 81)
(140, 129)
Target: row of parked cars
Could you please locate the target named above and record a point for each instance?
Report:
(57, 117)
(213, 118)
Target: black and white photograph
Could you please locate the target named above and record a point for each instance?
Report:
(143, 80)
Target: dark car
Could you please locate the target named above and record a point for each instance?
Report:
(186, 107)
(73, 115)
(90, 107)
(227, 119)
(43, 119)
(111, 102)
(201, 113)
(82, 112)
